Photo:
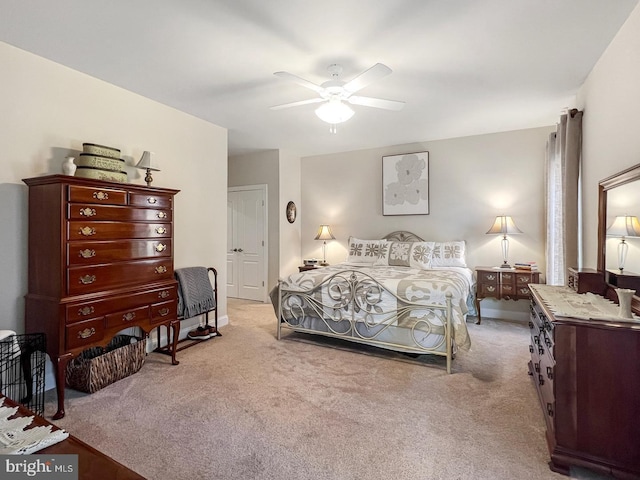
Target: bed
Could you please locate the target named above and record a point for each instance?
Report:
(399, 293)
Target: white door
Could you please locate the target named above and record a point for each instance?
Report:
(246, 242)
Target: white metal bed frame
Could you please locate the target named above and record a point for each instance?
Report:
(359, 294)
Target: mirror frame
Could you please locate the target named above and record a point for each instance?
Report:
(621, 178)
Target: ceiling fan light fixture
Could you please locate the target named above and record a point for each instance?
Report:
(334, 111)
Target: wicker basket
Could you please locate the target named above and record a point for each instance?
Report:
(97, 367)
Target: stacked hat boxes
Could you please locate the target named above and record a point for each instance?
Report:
(100, 163)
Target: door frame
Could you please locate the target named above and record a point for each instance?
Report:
(265, 234)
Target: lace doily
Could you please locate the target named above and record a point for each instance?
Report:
(565, 302)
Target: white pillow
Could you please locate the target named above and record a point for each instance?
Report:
(364, 251)
(421, 255)
(449, 254)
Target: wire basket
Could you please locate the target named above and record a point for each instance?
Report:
(22, 368)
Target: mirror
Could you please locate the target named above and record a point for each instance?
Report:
(618, 195)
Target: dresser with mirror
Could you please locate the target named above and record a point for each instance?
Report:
(585, 359)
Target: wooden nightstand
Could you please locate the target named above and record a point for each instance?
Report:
(503, 284)
(304, 268)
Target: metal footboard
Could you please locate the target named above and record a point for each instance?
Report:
(354, 306)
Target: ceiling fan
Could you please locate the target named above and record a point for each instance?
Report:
(334, 93)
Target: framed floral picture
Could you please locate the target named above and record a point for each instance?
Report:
(405, 184)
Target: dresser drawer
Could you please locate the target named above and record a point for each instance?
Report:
(84, 333)
(91, 253)
(161, 312)
(78, 230)
(149, 200)
(81, 280)
(80, 311)
(105, 196)
(81, 211)
(125, 318)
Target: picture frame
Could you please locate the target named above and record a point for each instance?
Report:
(405, 184)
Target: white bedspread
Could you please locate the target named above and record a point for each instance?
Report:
(401, 284)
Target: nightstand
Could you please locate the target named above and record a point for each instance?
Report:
(304, 268)
(503, 284)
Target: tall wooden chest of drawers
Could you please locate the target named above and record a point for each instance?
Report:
(100, 260)
(586, 375)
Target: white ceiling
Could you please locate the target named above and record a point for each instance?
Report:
(463, 67)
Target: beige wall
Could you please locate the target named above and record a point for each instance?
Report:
(290, 173)
(610, 98)
(472, 179)
(48, 111)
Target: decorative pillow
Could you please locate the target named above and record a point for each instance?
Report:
(407, 254)
(364, 251)
(421, 254)
(449, 254)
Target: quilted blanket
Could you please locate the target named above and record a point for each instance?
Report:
(401, 286)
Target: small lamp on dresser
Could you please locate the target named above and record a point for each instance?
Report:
(624, 226)
(148, 163)
(324, 234)
(504, 225)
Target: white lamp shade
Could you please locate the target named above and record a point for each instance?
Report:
(624, 226)
(148, 161)
(334, 111)
(324, 233)
(503, 225)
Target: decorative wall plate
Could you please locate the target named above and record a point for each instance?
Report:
(291, 212)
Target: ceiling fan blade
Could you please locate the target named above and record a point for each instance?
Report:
(296, 104)
(376, 103)
(367, 77)
(300, 81)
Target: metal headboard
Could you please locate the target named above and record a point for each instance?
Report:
(402, 236)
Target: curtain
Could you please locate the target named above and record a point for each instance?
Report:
(563, 197)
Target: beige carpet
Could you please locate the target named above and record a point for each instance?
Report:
(246, 406)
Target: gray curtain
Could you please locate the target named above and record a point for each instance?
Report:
(563, 197)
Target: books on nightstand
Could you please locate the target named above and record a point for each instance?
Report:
(532, 266)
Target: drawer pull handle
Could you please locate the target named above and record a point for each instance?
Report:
(101, 195)
(87, 253)
(540, 379)
(491, 289)
(161, 269)
(530, 348)
(550, 409)
(163, 294)
(536, 367)
(87, 231)
(530, 324)
(162, 214)
(163, 312)
(87, 279)
(127, 317)
(87, 212)
(550, 373)
(160, 247)
(161, 230)
(84, 311)
(491, 277)
(506, 276)
(524, 291)
(540, 350)
(152, 200)
(536, 340)
(86, 333)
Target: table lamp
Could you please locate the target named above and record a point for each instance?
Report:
(324, 234)
(624, 226)
(147, 162)
(504, 225)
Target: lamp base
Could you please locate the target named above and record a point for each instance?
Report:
(505, 265)
(323, 264)
(148, 178)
